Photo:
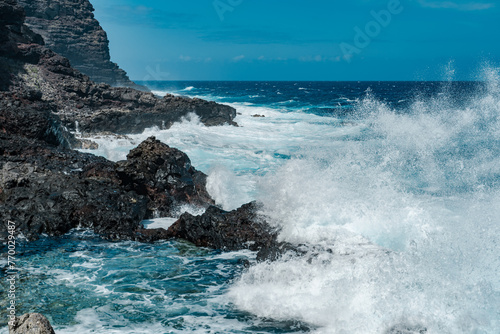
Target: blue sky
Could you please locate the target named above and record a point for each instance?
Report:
(301, 40)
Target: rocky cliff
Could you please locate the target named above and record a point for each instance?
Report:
(45, 186)
(28, 67)
(69, 28)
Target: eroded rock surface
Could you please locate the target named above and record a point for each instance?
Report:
(31, 323)
(165, 175)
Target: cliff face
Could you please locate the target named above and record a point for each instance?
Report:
(31, 69)
(70, 29)
(45, 187)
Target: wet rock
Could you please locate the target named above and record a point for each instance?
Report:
(274, 250)
(165, 175)
(31, 323)
(25, 114)
(49, 190)
(86, 144)
(151, 235)
(406, 329)
(243, 228)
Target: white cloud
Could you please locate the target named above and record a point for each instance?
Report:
(319, 58)
(185, 58)
(238, 58)
(470, 6)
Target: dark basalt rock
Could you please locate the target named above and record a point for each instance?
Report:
(46, 189)
(31, 323)
(27, 65)
(24, 114)
(239, 229)
(49, 189)
(70, 29)
(243, 228)
(165, 175)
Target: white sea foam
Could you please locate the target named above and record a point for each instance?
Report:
(164, 223)
(423, 188)
(232, 156)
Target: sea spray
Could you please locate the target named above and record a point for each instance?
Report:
(407, 214)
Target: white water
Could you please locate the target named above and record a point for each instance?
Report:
(407, 206)
(424, 189)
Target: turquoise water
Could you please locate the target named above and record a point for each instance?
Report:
(85, 284)
(394, 188)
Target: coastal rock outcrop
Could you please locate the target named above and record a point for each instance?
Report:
(27, 65)
(49, 189)
(88, 107)
(243, 228)
(69, 28)
(165, 175)
(31, 323)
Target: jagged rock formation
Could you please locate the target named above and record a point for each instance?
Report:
(165, 175)
(219, 229)
(69, 28)
(243, 228)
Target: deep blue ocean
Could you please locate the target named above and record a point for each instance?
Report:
(393, 188)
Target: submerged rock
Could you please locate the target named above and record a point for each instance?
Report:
(31, 323)
(406, 329)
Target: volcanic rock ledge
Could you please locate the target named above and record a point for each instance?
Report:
(49, 189)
